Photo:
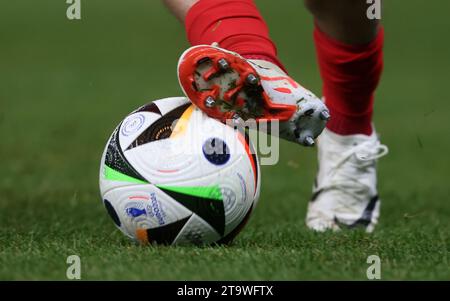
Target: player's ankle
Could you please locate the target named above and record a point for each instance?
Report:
(253, 47)
(346, 125)
(236, 25)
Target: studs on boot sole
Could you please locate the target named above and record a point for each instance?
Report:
(223, 65)
(210, 102)
(308, 141)
(252, 79)
(324, 115)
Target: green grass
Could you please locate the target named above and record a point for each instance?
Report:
(64, 85)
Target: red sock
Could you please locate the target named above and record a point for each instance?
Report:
(350, 75)
(236, 25)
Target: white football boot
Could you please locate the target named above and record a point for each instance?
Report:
(345, 193)
(227, 86)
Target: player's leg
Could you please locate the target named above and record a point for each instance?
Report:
(345, 21)
(349, 51)
(247, 79)
(179, 8)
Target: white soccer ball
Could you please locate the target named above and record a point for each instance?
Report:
(172, 175)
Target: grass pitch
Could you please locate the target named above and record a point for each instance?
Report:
(64, 85)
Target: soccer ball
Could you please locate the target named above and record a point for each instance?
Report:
(172, 175)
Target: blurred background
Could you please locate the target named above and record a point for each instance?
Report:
(65, 85)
